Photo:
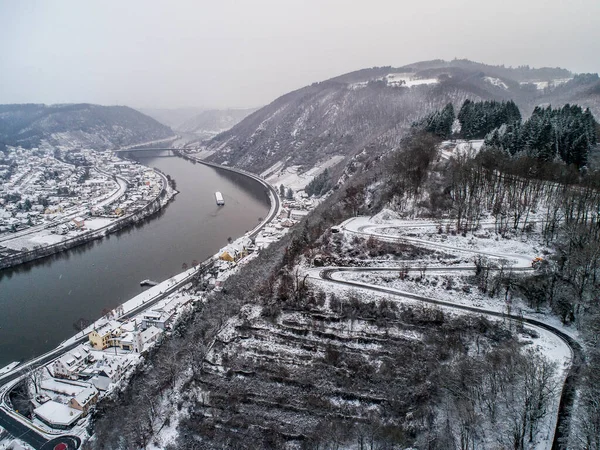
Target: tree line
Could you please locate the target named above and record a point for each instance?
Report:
(566, 134)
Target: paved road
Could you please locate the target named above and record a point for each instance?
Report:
(568, 389)
(36, 440)
(121, 182)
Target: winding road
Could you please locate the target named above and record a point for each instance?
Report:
(522, 263)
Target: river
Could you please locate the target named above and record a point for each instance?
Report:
(40, 301)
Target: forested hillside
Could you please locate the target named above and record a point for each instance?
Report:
(281, 360)
(369, 110)
(214, 121)
(77, 125)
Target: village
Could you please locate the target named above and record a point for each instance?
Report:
(49, 197)
(61, 394)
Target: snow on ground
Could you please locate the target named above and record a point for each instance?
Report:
(358, 85)
(203, 154)
(9, 443)
(545, 342)
(274, 168)
(137, 301)
(438, 284)
(167, 434)
(397, 80)
(496, 82)
(42, 237)
(290, 177)
(557, 351)
(95, 223)
(408, 80)
(540, 85)
(519, 251)
(452, 287)
(46, 237)
(460, 147)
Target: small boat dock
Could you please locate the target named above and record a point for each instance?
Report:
(148, 283)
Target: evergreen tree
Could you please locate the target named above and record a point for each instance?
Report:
(567, 132)
(438, 122)
(479, 119)
(319, 185)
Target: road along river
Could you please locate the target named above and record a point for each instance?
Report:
(40, 301)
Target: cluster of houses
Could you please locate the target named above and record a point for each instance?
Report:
(73, 383)
(143, 186)
(37, 188)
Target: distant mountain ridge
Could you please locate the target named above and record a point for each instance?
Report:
(77, 125)
(369, 110)
(211, 122)
(172, 117)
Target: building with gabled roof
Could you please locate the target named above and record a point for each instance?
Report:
(145, 339)
(84, 400)
(100, 338)
(71, 363)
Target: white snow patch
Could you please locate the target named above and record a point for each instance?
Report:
(290, 177)
(460, 147)
(407, 79)
(540, 85)
(496, 82)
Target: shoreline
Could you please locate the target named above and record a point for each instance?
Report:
(131, 308)
(166, 286)
(166, 195)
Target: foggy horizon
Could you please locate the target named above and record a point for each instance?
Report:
(202, 55)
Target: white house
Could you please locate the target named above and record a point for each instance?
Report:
(57, 415)
(71, 363)
(145, 339)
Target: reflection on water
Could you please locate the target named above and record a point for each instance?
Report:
(40, 301)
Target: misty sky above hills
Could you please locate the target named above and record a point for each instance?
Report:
(245, 54)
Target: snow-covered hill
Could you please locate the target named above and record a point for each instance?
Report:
(370, 110)
(77, 125)
(208, 124)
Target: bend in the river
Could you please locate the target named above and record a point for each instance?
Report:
(41, 300)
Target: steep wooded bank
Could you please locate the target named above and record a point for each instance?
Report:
(370, 110)
(275, 361)
(278, 361)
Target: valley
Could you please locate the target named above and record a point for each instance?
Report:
(429, 279)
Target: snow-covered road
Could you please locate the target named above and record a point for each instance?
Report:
(557, 343)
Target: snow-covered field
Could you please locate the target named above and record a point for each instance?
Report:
(408, 80)
(397, 80)
(460, 147)
(540, 85)
(291, 178)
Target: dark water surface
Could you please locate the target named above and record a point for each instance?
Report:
(40, 301)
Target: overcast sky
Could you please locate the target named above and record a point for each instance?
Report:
(224, 53)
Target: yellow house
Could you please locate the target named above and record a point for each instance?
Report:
(225, 256)
(103, 337)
